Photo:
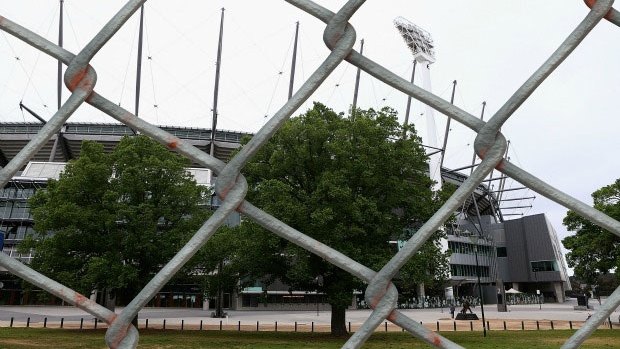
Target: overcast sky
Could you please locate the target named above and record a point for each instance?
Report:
(566, 133)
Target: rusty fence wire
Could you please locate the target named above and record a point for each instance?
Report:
(231, 187)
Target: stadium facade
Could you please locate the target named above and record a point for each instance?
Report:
(523, 254)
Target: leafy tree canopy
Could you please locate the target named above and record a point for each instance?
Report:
(353, 184)
(593, 250)
(113, 219)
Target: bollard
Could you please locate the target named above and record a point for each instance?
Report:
(312, 330)
(239, 325)
(295, 326)
(147, 323)
(437, 326)
(45, 322)
(200, 329)
(62, 322)
(537, 325)
(220, 325)
(164, 324)
(488, 327)
(276, 326)
(11, 322)
(570, 324)
(256, 326)
(28, 322)
(81, 323)
(471, 326)
(386, 326)
(96, 320)
(182, 324)
(504, 325)
(552, 324)
(522, 326)
(454, 325)
(349, 326)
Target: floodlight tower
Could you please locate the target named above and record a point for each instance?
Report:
(421, 45)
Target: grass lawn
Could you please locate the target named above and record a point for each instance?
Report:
(21, 338)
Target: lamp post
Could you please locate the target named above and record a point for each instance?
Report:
(319, 284)
(537, 289)
(474, 240)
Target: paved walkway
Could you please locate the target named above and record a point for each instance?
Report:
(561, 313)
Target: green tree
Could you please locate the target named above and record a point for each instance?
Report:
(594, 251)
(113, 219)
(353, 184)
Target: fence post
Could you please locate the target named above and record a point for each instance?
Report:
(28, 322)
(611, 327)
(437, 326)
(81, 323)
(537, 325)
(552, 324)
(147, 323)
(96, 320)
(488, 327)
(570, 324)
(62, 322)
(256, 326)
(313, 327)
(295, 326)
(276, 326)
(200, 325)
(454, 325)
(386, 326)
(522, 326)
(239, 325)
(164, 324)
(11, 322)
(349, 326)
(504, 325)
(471, 326)
(45, 322)
(182, 324)
(220, 325)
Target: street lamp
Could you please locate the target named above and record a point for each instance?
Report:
(537, 289)
(474, 239)
(319, 284)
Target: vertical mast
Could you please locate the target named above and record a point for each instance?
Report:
(290, 85)
(445, 136)
(60, 37)
(357, 83)
(217, 85)
(406, 123)
(473, 159)
(139, 71)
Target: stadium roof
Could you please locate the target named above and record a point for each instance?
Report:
(15, 135)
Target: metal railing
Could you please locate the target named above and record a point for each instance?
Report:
(231, 187)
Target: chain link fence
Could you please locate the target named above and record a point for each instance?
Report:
(490, 145)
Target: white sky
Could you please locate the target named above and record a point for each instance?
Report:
(566, 133)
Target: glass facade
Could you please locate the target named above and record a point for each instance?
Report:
(544, 266)
(468, 270)
(466, 248)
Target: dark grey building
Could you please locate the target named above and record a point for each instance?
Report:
(521, 254)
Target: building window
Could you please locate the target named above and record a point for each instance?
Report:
(501, 252)
(468, 270)
(544, 266)
(465, 248)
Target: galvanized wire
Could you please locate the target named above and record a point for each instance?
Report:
(231, 186)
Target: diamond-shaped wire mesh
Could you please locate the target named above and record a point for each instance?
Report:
(231, 187)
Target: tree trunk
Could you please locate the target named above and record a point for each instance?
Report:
(339, 327)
